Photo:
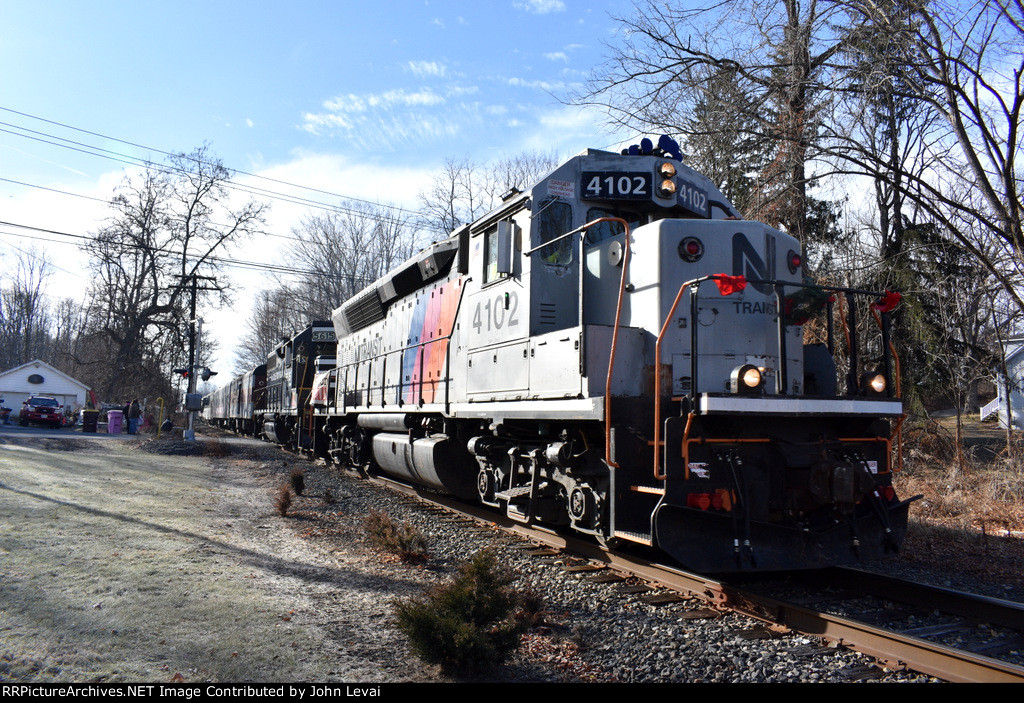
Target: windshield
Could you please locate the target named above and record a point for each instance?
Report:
(46, 402)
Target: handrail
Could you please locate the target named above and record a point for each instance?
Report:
(618, 314)
(778, 288)
(695, 283)
(897, 432)
(615, 326)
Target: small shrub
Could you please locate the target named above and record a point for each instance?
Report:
(298, 480)
(531, 608)
(402, 539)
(283, 501)
(473, 622)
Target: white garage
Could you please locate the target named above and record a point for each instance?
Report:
(39, 378)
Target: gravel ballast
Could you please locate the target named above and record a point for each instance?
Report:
(162, 561)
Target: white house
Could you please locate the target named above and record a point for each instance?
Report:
(1011, 385)
(39, 378)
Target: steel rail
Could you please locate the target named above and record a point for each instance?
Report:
(895, 650)
(994, 611)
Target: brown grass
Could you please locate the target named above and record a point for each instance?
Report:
(297, 478)
(987, 489)
(283, 500)
(970, 519)
(399, 538)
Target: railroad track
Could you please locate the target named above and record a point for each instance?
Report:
(954, 636)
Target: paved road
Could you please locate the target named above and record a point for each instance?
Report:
(15, 429)
(47, 432)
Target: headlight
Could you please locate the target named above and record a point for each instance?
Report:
(667, 186)
(873, 383)
(745, 379)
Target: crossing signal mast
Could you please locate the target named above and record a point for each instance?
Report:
(193, 400)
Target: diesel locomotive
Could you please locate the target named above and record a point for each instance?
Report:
(615, 351)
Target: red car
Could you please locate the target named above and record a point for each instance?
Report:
(42, 410)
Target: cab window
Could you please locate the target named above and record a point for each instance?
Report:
(554, 220)
(607, 230)
(491, 255)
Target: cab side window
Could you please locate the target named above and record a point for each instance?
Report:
(491, 254)
(554, 220)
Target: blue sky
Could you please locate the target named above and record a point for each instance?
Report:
(339, 96)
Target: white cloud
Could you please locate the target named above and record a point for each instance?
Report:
(401, 97)
(49, 207)
(427, 69)
(539, 7)
(346, 113)
(557, 56)
(460, 90)
(567, 129)
(249, 123)
(321, 123)
(345, 103)
(542, 85)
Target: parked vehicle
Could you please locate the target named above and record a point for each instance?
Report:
(42, 410)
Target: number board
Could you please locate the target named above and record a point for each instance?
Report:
(692, 197)
(324, 336)
(615, 186)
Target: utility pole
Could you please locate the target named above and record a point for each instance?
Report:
(197, 336)
(194, 340)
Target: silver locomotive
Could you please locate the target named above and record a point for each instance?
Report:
(615, 351)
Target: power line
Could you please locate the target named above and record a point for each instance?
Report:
(175, 170)
(136, 161)
(108, 202)
(38, 258)
(231, 263)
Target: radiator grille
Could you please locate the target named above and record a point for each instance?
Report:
(364, 311)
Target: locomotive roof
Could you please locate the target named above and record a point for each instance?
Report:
(370, 304)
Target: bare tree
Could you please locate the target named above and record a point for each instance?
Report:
(777, 57)
(463, 191)
(455, 197)
(965, 65)
(519, 171)
(147, 261)
(340, 253)
(24, 311)
(272, 320)
(69, 323)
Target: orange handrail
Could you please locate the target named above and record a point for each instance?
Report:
(615, 328)
(658, 476)
(897, 432)
(615, 332)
